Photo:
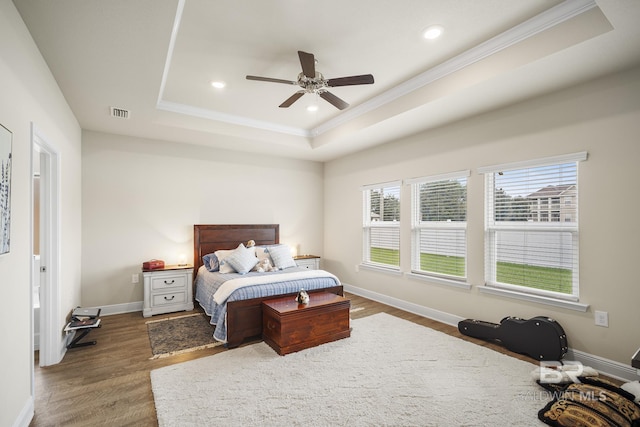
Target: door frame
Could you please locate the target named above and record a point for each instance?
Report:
(51, 342)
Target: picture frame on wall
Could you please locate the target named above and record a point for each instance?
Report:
(5, 189)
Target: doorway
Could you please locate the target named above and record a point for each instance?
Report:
(46, 244)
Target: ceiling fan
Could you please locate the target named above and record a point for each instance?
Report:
(314, 82)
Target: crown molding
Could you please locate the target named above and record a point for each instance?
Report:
(205, 113)
(536, 25)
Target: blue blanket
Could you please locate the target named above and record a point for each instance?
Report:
(207, 284)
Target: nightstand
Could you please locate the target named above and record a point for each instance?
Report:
(312, 262)
(168, 289)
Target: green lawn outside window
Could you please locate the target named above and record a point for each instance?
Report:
(385, 256)
(550, 279)
(531, 276)
(442, 264)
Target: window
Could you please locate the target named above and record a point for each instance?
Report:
(531, 240)
(439, 225)
(381, 225)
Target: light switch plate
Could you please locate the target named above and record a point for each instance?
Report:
(602, 318)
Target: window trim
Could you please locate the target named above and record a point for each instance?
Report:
(395, 183)
(570, 301)
(415, 227)
(440, 177)
(367, 225)
(440, 280)
(380, 268)
(544, 161)
(562, 303)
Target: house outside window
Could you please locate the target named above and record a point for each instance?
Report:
(531, 226)
(546, 206)
(439, 225)
(381, 225)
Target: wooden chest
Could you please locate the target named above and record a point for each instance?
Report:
(288, 326)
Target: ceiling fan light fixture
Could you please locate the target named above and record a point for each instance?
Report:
(312, 82)
(433, 32)
(312, 108)
(218, 84)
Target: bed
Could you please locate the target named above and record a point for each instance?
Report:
(242, 311)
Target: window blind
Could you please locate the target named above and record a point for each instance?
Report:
(439, 225)
(531, 226)
(381, 225)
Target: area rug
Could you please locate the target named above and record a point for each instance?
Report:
(180, 334)
(389, 372)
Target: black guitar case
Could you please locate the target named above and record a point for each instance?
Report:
(539, 337)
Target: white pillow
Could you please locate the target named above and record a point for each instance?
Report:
(221, 255)
(241, 259)
(281, 256)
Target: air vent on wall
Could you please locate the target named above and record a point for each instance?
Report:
(119, 113)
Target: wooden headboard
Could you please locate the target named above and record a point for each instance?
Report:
(209, 238)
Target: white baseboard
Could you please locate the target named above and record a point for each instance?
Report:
(605, 366)
(26, 414)
(128, 307)
(608, 367)
(421, 310)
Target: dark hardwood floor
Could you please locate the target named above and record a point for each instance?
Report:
(109, 383)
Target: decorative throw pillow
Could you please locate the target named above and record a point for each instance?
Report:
(242, 259)
(221, 255)
(591, 402)
(281, 256)
(210, 261)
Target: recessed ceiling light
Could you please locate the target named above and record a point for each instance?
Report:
(218, 84)
(433, 32)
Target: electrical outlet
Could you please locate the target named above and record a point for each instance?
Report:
(357, 268)
(135, 278)
(602, 318)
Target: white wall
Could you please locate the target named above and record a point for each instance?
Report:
(30, 94)
(603, 118)
(141, 199)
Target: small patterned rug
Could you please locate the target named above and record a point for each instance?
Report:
(180, 334)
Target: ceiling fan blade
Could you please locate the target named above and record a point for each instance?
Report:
(365, 79)
(334, 100)
(293, 98)
(269, 79)
(308, 63)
